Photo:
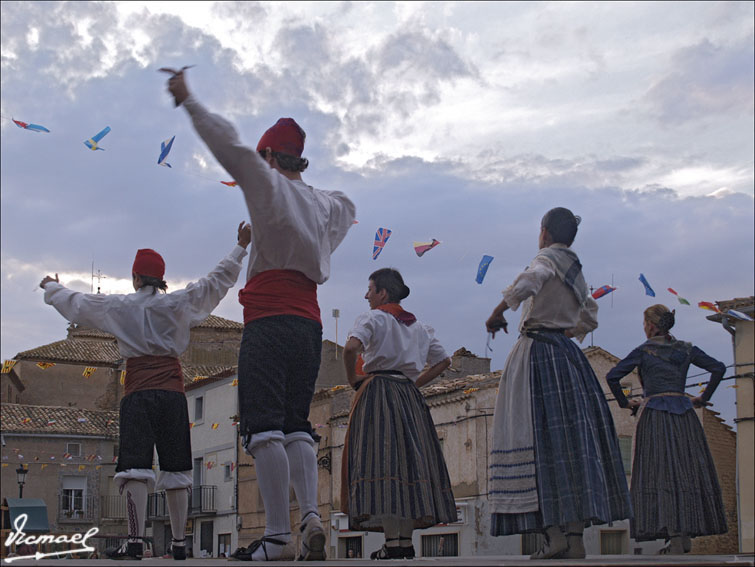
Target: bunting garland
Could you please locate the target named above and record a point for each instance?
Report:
(45, 365)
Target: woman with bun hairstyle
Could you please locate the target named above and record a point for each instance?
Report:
(675, 491)
(555, 463)
(394, 477)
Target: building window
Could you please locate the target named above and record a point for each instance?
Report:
(72, 495)
(612, 542)
(198, 409)
(625, 446)
(350, 547)
(224, 545)
(227, 472)
(531, 542)
(440, 545)
(73, 449)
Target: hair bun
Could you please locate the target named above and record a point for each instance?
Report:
(666, 321)
(405, 292)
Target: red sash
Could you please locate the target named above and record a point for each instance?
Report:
(153, 373)
(280, 292)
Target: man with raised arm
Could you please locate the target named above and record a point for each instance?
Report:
(295, 229)
(152, 330)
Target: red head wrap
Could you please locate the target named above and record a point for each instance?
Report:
(286, 136)
(149, 263)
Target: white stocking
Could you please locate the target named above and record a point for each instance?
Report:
(302, 463)
(136, 507)
(178, 508)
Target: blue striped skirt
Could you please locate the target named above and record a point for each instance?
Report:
(580, 475)
(396, 464)
(675, 488)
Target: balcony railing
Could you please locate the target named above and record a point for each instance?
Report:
(75, 508)
(113, 507)
(202, 501)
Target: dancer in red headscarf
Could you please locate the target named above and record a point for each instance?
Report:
(152, 330)
(295, 229)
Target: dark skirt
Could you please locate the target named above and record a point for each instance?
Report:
(396, 465)
(675, 488)
(580, 475)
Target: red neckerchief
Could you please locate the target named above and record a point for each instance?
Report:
(398, 312)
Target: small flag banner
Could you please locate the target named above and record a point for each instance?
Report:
(739, 315)
(648, 290)
(123, 377)
(602, 290)
(88, 371)
(709, 306)
(235, 382)
(52, 421)
(8, 366)
(45, 365)
(215, 425)
(482, 269)
(679, 297)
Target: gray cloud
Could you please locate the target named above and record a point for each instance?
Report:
(704, 80)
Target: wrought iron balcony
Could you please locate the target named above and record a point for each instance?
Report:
(113, 507)
(202, 501)
(75, 508)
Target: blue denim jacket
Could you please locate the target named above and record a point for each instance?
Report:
(662, 364)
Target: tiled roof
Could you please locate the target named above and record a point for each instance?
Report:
(737, 303)
(594, 350)
(20, 418)
(205, 372)
(215, 322)
(437, 388)
(79, 331)
(464, 383)
(76, 351)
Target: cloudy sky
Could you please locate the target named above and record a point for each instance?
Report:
(463, 122)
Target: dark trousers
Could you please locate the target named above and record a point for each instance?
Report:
(278, 366)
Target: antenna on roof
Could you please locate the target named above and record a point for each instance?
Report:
(336, 314)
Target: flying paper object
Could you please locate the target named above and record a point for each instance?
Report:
(381, 237)
(708, 305)
(229, 183)
(602, 290)
(32, 127)
(648, 290)
(482, 269)
(164, 151)
(421, 247)
(92, 142)
(681, 299)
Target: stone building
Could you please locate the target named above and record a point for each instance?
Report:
(69, 456)
(742, 334)
(462, 409)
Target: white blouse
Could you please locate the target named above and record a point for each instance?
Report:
(145, 323)
(390, 345)
(294, 226)
(548, 302)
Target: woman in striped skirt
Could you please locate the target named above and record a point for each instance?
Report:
(394, 477)
(675, 490)
(555, 466)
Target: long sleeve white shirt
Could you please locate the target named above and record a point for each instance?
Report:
(145, 323)
(294, 226)
(548, 302)
(390, 345)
